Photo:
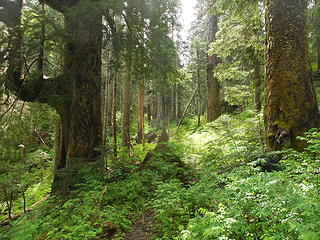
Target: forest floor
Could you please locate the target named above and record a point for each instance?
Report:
(142, 227)
(216, 181)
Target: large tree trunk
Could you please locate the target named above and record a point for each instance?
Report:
(80, 113)
(290, 100)
(14, 81)
(170, 105)
(75, 94)
(214, 95)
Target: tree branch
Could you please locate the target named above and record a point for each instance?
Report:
(36, 89)
(50, 91)
(60, 5)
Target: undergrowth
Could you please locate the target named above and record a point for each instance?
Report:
(244, 192)
(101, 208)
(213, 182)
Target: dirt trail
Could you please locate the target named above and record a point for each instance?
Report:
(142, 227)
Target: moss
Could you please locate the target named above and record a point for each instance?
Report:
(291, 106)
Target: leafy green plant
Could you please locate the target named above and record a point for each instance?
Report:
(242, 201)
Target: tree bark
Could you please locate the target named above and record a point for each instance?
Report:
(114, 69)
(109, 103)
(199, 91)
(290, 99)
(80, 112)
(75, 94)
(105, 86)
(214, 95)
(126, 103)
(108, 107)
(173, 103)
(10, 14)
(161, 118)
(140, 112)
(114, 116)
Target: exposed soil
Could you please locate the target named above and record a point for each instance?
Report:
(142, 227)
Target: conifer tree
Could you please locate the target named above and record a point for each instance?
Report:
(290, 99)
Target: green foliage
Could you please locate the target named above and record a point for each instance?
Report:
(241, 26)
(231, 197)
(238, 94)
(53, 219)
(100, 204)
(25, 155)
(239, 201)
(228, 140)
(265, 205)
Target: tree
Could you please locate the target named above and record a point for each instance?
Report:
(75, 94)
(214, 95)
(240, 61)
(127, 96)
(162, 57)
(74, 89)
(290, 99)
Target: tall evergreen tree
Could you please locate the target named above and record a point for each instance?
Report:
(290, 100)
(75, 94)
(214, 95)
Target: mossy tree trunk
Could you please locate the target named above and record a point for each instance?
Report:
(76, 94)
(214, 95)
(290, 100)
(80, 112)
